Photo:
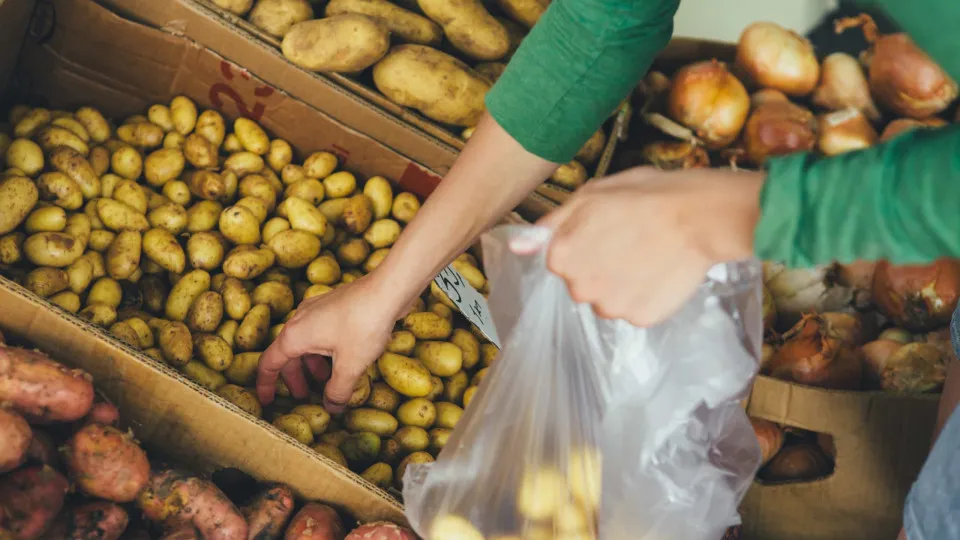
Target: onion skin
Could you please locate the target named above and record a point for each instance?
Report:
(801, 461)
(844, 131)
(815, 355)
(770, 437)
(902, 125)
(843, 85)
(858, 277)
(710, 100)
(918, 298)
(915, 368)
(775, 128)
(875, 356)
(769, 310)
(674, 155)
(797, 291)
(899, 335)
(774, 57)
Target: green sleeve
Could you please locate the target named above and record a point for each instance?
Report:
(893, 201)
(573, 69)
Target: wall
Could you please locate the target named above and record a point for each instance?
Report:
(724, 19)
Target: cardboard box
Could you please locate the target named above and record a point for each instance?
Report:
(881, 443)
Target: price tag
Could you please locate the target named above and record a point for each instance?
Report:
(471, 303)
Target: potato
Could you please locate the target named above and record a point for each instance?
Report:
(382, 233)
(142, 135)
(435, 83)
(118, 216)
(33, 496)
(308, 189)
(315, 521)
(184, 111)
(492, 71)
(46, 219)
(357, 214)
(99, 160)
(94, 122)
(353, 252)
(294, 249)
(31, 122)
(160, 115)
(17, 436)
(404, 25)
(176, 343)
(448, 414)
(54, 249)
(361, 447)
(419, 458)
(45, 281)
(206, 377)
(379, 474)
(205, 251)
(278, 296)
(478, 377)
(125, 333)
(127, 162)
(179, 498)
(228, 331)
(211, 126)
(241, 397)
(203, 216)
(73, 125)
(243, 370)
(405, 207)
(244, 163)
(200, 152)
(239, 225)
(25, 155)
(123, 256)
(206, 312)
(569, 175)
(488, 353)
(402, 342)
(441, 358)
(436, 388)
(51, 137)
(347, 43)
(383, 397)
(304, 216)
(428, 325)
(231, 144)
(177, 192)
(331, 452)
(370, 420)
(145, 339)
(275, 17)
(107, 463)
(11, 248)
(101, 239)
(248, 264)
(316, 416)
(207, 185)
(170, 216)
(324, 270)
(162, 248)
(236, 299)
(251, 136)
(105, 291)
(98, 267)
(252, 333)
(455, 386)
(296, 426)
(18, 196)
(130, 193)
(405, 375)
(469, 27)
(184, 293)
(590, 152)
(54, 187)
(438, 438)
(418, 412)
(163, 165)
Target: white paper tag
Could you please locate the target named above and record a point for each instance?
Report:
(470, 302)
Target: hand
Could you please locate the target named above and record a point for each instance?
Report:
(637, 244)
(349, 325)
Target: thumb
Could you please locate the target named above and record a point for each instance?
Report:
(343, 380)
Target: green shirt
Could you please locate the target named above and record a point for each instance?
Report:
(584, 56)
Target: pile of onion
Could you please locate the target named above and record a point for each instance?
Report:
(769, 310)
(843, 85)
(776, 127)
(770, 437)
(821, 351)
(844, 131)
(801, 461)
(902, 77)
(673, 155)
(774, 57)
(858, 277)
(915, 367)
(918, 298)
(901, 125)
(797, 291)
(708, 99)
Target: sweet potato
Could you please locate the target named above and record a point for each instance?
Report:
(15, 435)
(30, 499)
(107, 463)
(176, 497)
(381, 530)
(97, 521)
(315, 521)
(268, 513)
(42, 390)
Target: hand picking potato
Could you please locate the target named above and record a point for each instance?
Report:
(469, 27)
(347, 43)
(404, 25)
(275, 17)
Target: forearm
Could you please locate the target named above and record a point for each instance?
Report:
(949, 398)
(490, 177)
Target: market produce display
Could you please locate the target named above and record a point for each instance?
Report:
(71, 473)
(194, 243)
(436, 57)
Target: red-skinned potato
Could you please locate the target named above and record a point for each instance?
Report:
(381, 530)
(97, 521)
(176, 497)
(31, 499)
(42, 390)
(107, 463)
(315, 521)
(15, 435)
(269, 512)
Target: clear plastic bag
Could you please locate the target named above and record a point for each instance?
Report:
(573, 398)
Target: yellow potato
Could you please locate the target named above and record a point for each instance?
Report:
(353, 252)
(177, 192)
(478, 377)
(380, 193)
(405, 375)
(214, 351)
(98, 267)
(236, 299)
(374, 260)
(441, 358)
(248, 264)
(205, 251)
(436, 388)
(145, 338)
(294, 249)
(31, 122)
(127, 162)
(274, 180)
(316, 416)
(319, 165)
(404, 25)
(412, 439)
(118, 216)
(428, 325)
(242, 398)
(231, 184)
(357, 214)
(200, 152)
(438, 438)
(252, 332)
(405, 207)
(279, 156)
(46, 219)
(440, 86)
(255, 185)
(239, 225)
(210, 126)
(25, 155)
(123, 256)
(469, 27)
(382, 233)
(75, 166)
(207, 185)
(402, 342)
(316, 290)
(203, 216)
(101, 239)
(296, 426)
(468, 395)
(94, 122)
(184, 293)
(70, 123)
(131, 194)
(51, 137)
(570, 175)
(161, 247)
(304, 216)
(184, 113)
(11, 248)
(54, 249)
(160, 115)
(292, 173)
(243, 370)
(169, 216)
(331, 452)
(383, 397)
(251, 136)
(542, 492)
(417, 458)
(143, 135)
(18, 196)
(199, 373)
(361, 391)
(163, 165)
(492, 71)
(469, 344)
(67, 300)
(455, 386)
(308, 189)
(333, 210)
(324, 270)
(231, 144)
(590, 152)
(99, 314)
(276, 295)
(378, 474)
(347, 43)
(54, 187)
(488, 353)
(454, 526)
(418, 412)
(99, 160)
(448, 414)
(125, 333)
(206, 313)
(370, 420)
(228, 331)
(46, 281)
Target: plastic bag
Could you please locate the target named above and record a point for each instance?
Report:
(573, 398)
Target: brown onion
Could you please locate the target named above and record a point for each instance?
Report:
(673, 155)
(814, 353)
(896, 334)
(858, 277)
(902, 77)
(843, 85)
(797, 291)
(875, 356)
(770, 437)
(769, 310)
(915, 368)
(901, 125)
(707, 98)
(918, 298)
(844, 131)
(776, 128)
(774, 57)
(800, 461)
(766, 95)
(846, 327)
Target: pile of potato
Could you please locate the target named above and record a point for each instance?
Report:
(195, 244)
(437, 57)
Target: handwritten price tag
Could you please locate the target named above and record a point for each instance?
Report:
(471, 303)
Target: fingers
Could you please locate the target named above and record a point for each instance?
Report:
(337, 392)
(318, 365)
(292, 374)
(271, 362)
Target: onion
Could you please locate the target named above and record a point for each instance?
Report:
(766, 95)
(770, 437)
(801, 461)
(875, 355)
(846, 327)
(775, 57)
(843, 85)
(918, 298)
(797, 291)
(817, 353)
(844, 131)
(674, 155)
(776, 128)
(896, 334)
(769, 310)
(902, 77)
(915, 368)
(857, 276)
(901, 125)
(707, 98)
